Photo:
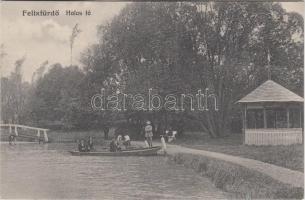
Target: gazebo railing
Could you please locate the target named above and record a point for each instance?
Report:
(279, 136)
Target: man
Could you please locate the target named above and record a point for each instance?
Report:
(148, 133)
(113, 145)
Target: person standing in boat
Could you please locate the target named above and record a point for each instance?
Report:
(148, 133)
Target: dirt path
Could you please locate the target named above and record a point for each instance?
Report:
(281, 174)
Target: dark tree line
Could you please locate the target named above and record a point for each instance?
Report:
(175, 48)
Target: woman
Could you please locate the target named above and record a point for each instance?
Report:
(119, 142)
(148, 133)
(126, 141)
(90, 144)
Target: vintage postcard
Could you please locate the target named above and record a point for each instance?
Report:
(152, 100)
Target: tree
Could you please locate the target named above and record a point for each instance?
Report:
(14, 94)
(56, 98)
(75, 32)
(39, 72)
(182, 47)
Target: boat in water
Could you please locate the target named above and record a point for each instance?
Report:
(129, 152)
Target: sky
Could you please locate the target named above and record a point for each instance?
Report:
(42, 39)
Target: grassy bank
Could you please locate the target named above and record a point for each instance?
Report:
(285, 156)
(240, 182)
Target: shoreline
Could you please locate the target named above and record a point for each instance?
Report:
(238, 181)
(254, 179)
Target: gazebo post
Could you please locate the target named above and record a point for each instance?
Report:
(287, 111)
(265, 117)
(244, 116)
(246, 108)
(300, 111)
(301, 117)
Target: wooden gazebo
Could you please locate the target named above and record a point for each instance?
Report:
(272, 115)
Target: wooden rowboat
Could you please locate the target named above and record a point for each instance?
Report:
(132, 152)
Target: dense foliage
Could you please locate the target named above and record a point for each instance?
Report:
(174, 48)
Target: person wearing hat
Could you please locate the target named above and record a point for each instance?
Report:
(148, 133)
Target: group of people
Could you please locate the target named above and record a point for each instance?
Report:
(85, 146)
(169, 135)
(122, 141)
(117, 143)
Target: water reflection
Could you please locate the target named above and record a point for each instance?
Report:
(48, 171)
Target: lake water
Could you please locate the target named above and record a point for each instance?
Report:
(31, 170)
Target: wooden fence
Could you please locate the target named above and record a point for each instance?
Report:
(280, 136)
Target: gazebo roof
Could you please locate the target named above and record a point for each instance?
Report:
(271, 91)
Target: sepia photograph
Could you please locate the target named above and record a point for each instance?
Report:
(147, 100)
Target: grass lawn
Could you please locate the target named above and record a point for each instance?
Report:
(286, 156)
